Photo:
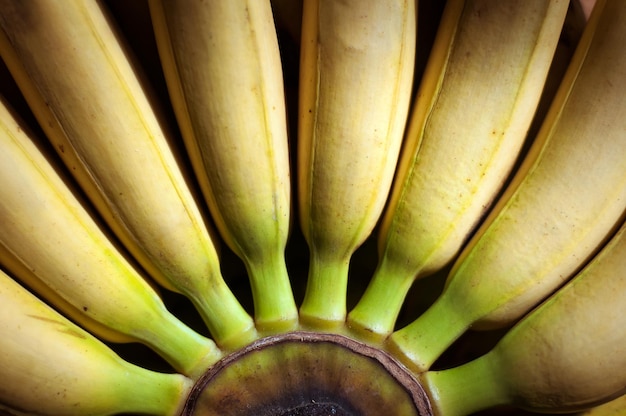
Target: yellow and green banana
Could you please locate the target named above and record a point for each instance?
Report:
(53, 367)
(564, 356)
(92, 101)
(356, 73)
(50, 241)
(475, 104)
(566, 198)
(223, 68)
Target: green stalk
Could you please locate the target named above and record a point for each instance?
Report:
(275, 309)
(187, 351)
(142, 391)
(380, 305)
(466, 389)
(423, 341)
(324, 305)
(229, 324)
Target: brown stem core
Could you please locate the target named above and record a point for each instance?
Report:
(307, 374)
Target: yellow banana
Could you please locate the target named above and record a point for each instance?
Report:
(222, 64)
(568, 354)
(50, 366)
(87, 94)
(49, 241)
(473, 110)
(567, 197)
(356, 74)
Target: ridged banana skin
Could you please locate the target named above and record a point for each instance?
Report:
(568, 354)
(356, 74)
(568, 196)
(79, 79)
(472, 114)
(223, 69)
(50, 366)
(49, 241)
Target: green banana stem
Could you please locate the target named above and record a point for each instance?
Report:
(423, 341)
(464, 390)
(151, 393)
(324, 305)
(274, 305)
(229, 324)
(380, 305)
(187, 351)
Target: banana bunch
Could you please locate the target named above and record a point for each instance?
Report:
(444, 172)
